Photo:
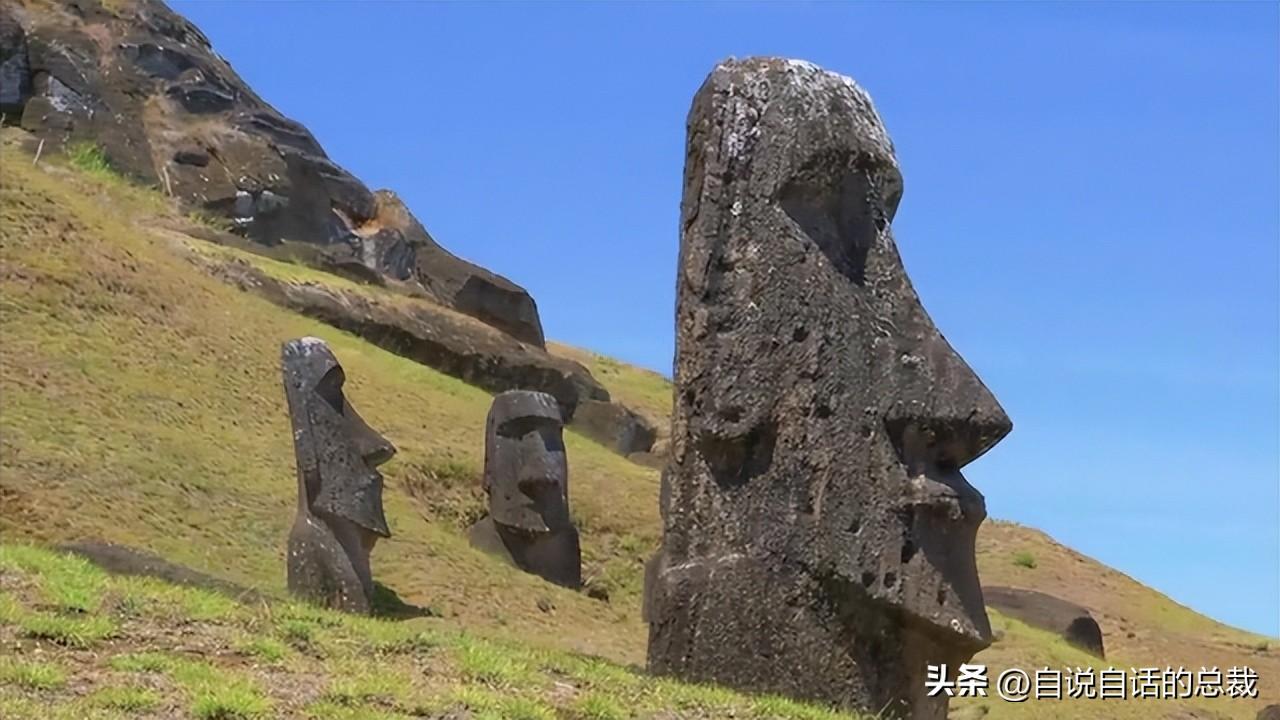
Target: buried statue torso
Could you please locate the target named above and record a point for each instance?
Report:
(526, 478)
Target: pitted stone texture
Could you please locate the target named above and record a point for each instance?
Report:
(818, 535)
(339, 516)
(526, 477)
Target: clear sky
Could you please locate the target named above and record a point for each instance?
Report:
(1090, 215)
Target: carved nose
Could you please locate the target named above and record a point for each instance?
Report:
(372, 447)
(944, 411)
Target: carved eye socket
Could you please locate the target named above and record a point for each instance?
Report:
(549, 430)
(551, 438)
(842, 206)
(330, 388)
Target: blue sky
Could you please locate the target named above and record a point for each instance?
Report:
(1090, 215)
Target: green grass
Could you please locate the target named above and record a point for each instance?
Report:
(356, 683)
(156, 662)
(89, 158)
(644, 391)
(298, 633)
(148, 597)
(127, 699)
(69, 584)
(34, 675)
(1025, 559)
(781, 708)
(371, 668)
(264, 649)
(231, 702)
(597, 706)
(492, 664)
(71, 632)
(325, 710)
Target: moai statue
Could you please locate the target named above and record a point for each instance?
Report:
(339, 490)
(527, 479)
(818, 537)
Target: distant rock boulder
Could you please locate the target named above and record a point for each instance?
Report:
(144, 84)
(1073, 622)
(614, 426)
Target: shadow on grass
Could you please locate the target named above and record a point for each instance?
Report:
(125, 560)
(388, 605)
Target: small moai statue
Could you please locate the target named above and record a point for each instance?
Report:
(526, 477)
(339, 488)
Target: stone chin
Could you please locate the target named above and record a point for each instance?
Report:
(362, 506)
(521, 518)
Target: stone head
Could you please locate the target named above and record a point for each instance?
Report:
(816, 398)
(525, 471)
(337, 452)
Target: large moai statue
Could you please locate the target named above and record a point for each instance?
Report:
(818, 537)
(339, 490)
(526, 476)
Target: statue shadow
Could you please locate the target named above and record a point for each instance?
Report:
(388, 605)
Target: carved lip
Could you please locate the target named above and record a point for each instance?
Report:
(945, 492)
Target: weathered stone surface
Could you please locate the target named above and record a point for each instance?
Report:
(145, 85)
(448, 341)
(818, 534)
(15, 68)
(526, 476)
(1073, 622)
(614, 426)
(407, 250)
(339, 515)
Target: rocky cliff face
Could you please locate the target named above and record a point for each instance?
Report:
(145, 85)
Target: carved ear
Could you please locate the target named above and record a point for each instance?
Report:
(329, 388)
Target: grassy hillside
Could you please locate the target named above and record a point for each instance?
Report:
(94, 646)
(142, 405)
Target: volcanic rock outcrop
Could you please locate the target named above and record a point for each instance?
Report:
(144, 84)
(526, 477)
(1073, 622)
(429, 334)
(339, 516)
(818, 536)
(614, 426)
